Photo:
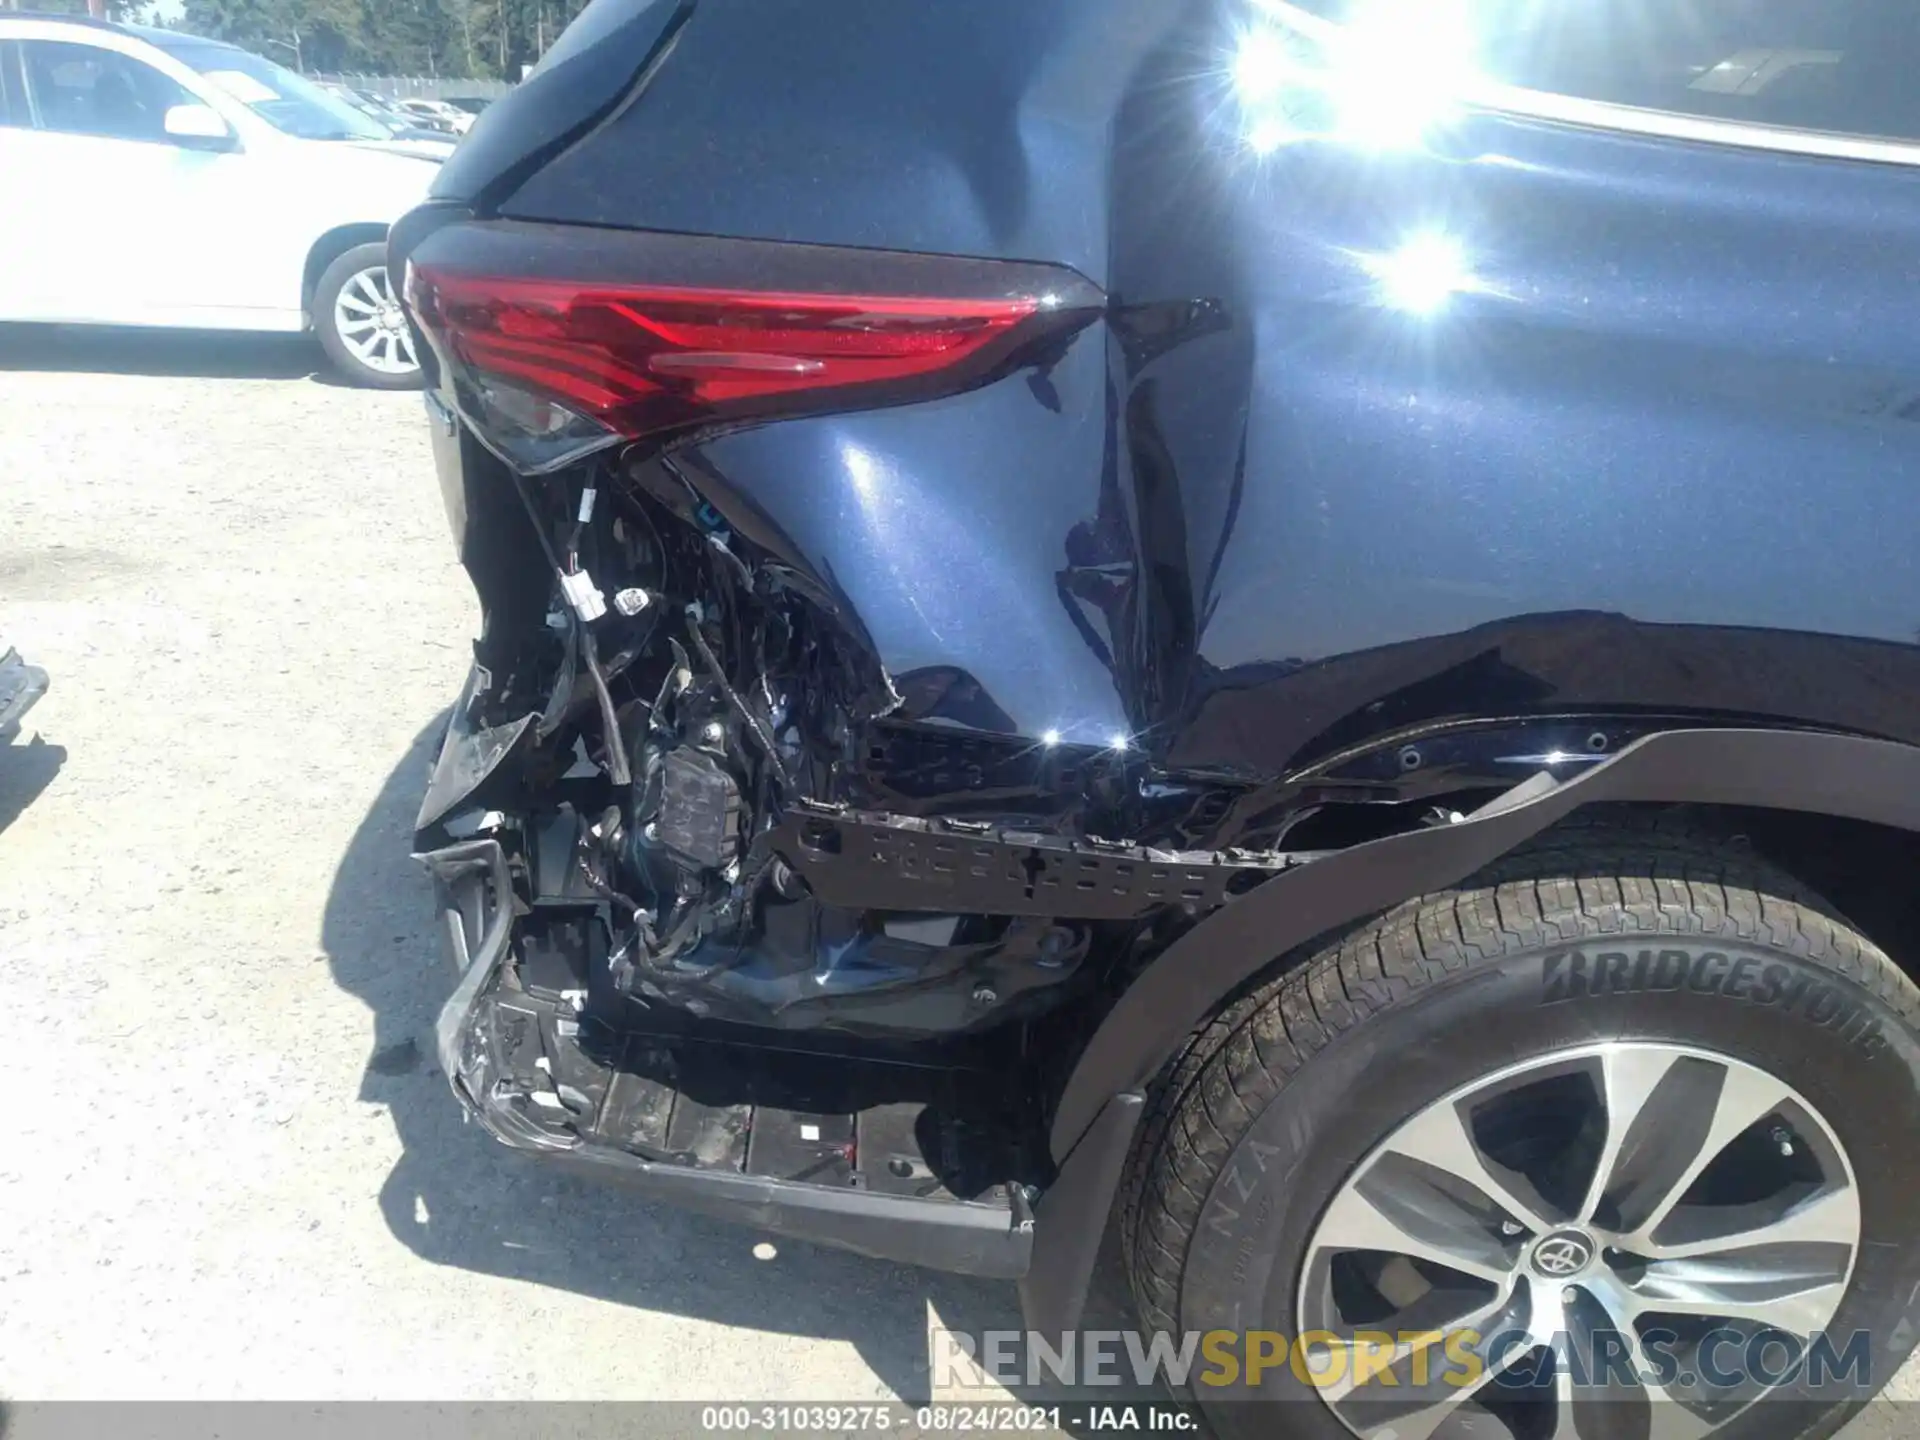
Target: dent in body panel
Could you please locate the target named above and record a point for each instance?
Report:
(1637, 464)
(973, 542)
(1636, 460)
(1640, 453)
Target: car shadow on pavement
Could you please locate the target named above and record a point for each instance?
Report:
(456, 1198)
(109, 351)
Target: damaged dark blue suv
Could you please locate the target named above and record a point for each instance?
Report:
(1290, 624)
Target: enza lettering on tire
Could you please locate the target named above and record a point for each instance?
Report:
(1755, 979)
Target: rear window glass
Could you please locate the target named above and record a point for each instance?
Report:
(1849, 67)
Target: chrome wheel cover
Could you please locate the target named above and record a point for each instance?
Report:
(371, 325)
(1613, 1199)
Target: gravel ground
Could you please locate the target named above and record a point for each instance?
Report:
(235, 1172)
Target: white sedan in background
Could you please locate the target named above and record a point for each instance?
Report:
(153, 178)
(439, 113)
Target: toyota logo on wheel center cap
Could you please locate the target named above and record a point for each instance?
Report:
(1562, 1253)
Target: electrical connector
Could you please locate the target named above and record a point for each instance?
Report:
(583, 595)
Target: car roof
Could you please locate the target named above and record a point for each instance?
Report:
(152, 34)
(50, 16)
(179, 39)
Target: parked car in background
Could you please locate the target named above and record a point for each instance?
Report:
(370, 101)
(404, 131)
(473, 104)
(438, 113)
(154, 178)
(1290, 625)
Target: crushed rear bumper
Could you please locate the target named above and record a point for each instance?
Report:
(513, 1061)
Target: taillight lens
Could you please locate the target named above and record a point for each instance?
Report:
(549, 369)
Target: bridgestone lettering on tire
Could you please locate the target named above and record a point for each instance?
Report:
(1496, 1032)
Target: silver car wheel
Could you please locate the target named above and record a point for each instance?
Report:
(1592, 1203)
(371, 324)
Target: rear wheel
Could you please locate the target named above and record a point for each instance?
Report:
(357, 316)
(1631, 1121)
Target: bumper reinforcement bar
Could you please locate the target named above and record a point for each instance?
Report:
(861, 860)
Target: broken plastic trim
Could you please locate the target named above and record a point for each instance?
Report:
(21, 685)
(468, 756)
(475, 892)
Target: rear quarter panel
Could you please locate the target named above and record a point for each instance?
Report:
(1657, 451)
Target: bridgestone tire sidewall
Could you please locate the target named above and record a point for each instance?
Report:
(1844, 1050)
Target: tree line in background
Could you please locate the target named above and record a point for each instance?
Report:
(451, 38)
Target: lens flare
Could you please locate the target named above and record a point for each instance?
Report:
(1423, 274)
(1397, 66)
(1261, 66)
(1381, 79)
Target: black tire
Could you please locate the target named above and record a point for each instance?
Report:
(359, 260)
(1256, 1126)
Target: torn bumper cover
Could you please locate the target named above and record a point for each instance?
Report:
(485, 1029)
(474, 893)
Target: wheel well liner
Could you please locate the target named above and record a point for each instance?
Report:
(330, 247)
(1813, 772)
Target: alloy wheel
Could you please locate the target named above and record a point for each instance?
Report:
(1610, 1227)
(371, 324)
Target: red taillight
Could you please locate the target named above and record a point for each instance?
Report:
(569, 366)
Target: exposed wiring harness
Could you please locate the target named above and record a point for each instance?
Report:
(755, 725)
